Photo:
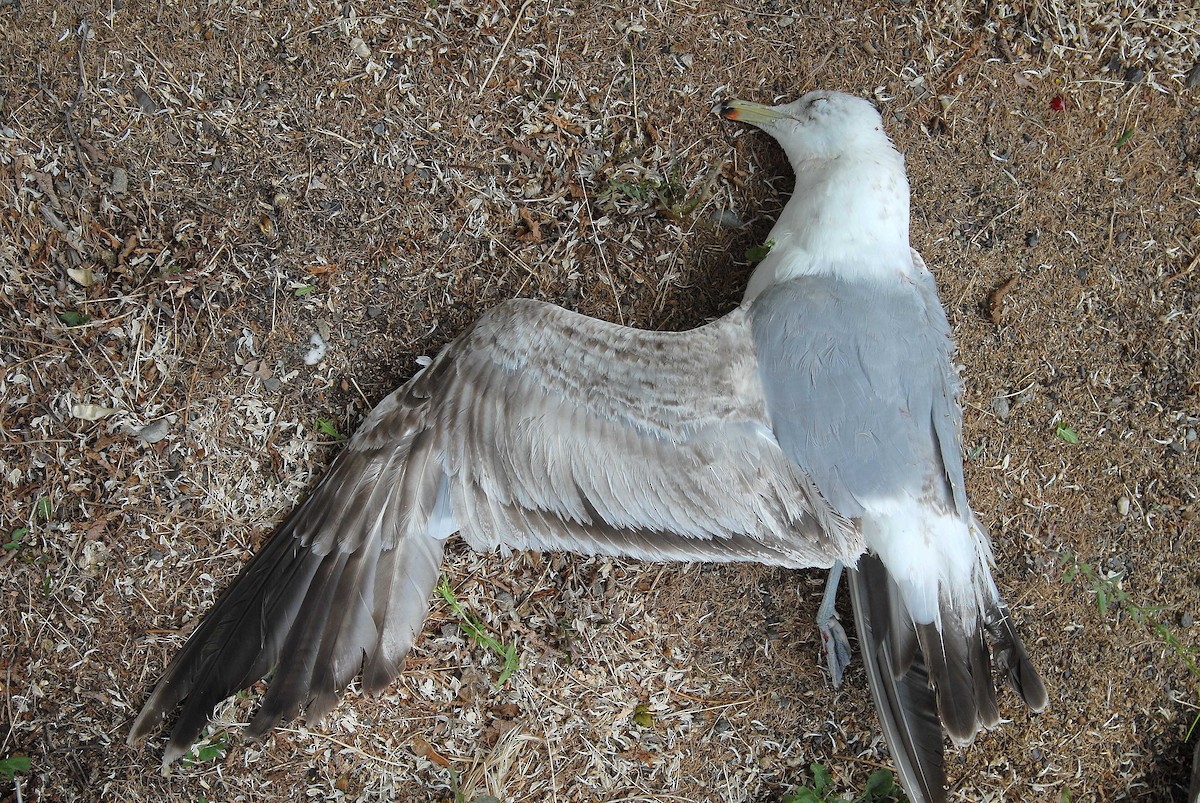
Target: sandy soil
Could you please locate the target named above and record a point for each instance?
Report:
(190, 193)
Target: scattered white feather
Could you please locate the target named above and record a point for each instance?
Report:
(317, 353)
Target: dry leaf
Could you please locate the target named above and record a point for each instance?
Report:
(91, 412)
(423, 748)
(84, 277)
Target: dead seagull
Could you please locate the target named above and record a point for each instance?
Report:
(816, 425)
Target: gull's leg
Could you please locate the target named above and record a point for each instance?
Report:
(833, 637)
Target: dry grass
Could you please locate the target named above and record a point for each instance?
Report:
(191, 193)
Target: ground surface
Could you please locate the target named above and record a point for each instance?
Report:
(190, 193)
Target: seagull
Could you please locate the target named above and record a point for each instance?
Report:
(817, 425)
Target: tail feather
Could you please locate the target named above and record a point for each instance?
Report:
(981, 667)
(945, 651)
(941, 686)
(904, 700)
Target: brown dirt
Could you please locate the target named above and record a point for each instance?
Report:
(191, 193)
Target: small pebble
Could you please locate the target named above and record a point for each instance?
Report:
(1000, 407)
(374, 311)
(120, 181)
(1031, 238)
(1193, 77)
(1186, 620)
(1114, 63)
(154, 432)
(380, 129)
(1123, 505)
(727, 218)
(144, 101)
(1134, 75)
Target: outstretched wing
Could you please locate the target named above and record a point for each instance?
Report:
(537, 428)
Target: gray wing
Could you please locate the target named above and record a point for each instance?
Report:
(537, 428)
(552, 430)
(860, 387)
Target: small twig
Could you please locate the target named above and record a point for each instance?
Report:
(357, 750)
(637, 125)
(864, 761)
(187, 404)
(948, 82)
(1191, 267)
(362, 395)
(338, 136)
(612, 284)
(511, 32)
(8, 709)
(69, 112)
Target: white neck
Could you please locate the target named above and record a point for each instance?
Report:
(847, 217)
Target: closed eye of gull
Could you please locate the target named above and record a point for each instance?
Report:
(815, 426)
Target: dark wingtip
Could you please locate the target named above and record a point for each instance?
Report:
(1021, 675)
(1194, 788)
(1028, 683)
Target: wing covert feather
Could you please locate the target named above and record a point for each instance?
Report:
(552, 425)
(860, 386)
